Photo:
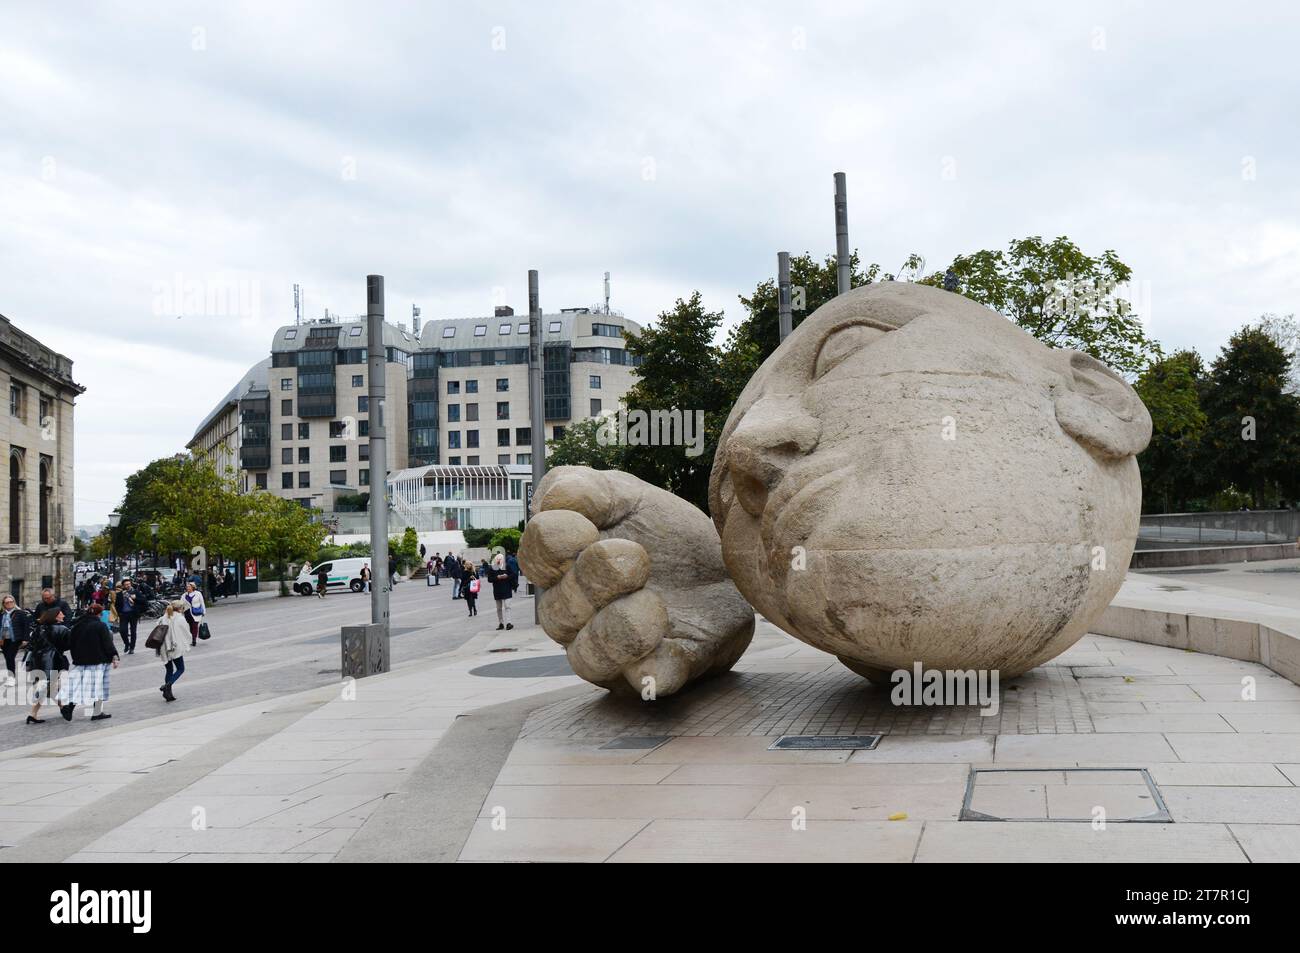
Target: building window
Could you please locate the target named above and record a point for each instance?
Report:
(339, 454)
(503, 436)
(471, 439)
(290, 334)
(261, 481)
(453, 461)
(363, 452)
(363, 478)
(471, 461)
(503, 410)
(453, 387)
(503, 459)
(286, 456)
(606, 330)
(304, 479)
(286, 481)
(453, 413)
(557, 432)
(523, 458)
(553, 327)
(304, 454)
(45, 498)
(471, 411)
(471, 387)
(593, 382)
(363, 404)
(595, 407)
(286, 431)
(363, 428)
(449, 331)
(339, 477)
(358, 380)
(523, 328)
(503, 384)
(16, 401)
(480, 330)
(46, 418)
(453, 439)
(505, 328)
(354, 332)
(304, 431)
(523, 436)
(286, 408)
(286, 383)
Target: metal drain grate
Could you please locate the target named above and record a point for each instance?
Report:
(824, 742)
(1081, 795)
(638, 742)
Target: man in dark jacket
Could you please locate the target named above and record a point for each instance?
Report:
(512, 566)
(453, 570)
(49, 601)
(90, 644)
(129, 610)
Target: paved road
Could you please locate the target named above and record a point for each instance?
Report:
(261, 647)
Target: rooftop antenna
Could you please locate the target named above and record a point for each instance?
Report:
(607, 292)
(415, 319)
(297, 304)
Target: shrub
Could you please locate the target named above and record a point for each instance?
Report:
(507, 539)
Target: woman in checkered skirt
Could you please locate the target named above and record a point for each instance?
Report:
(93, 654)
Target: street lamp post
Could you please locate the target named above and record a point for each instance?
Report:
(114, 520)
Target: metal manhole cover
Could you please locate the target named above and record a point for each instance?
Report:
(642, 742)
(547, 666)
(824, 742)
(1082, 795)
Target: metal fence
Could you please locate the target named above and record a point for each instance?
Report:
(1231, 528)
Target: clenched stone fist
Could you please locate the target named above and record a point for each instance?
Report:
(636, 590)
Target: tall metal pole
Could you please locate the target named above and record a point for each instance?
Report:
(381, 581)
(536, 399)
(785, 318)
(844, 275)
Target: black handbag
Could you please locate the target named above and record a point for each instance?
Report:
(157, 637)
(203, 631)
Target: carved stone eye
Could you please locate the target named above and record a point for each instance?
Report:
(843, 344)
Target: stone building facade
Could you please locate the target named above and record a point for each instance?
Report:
(36, 431)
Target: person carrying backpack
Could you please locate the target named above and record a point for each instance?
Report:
(45, 657)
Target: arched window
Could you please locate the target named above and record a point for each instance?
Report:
(15, 497)
(47, 499)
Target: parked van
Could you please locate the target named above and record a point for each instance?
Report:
(343, 574)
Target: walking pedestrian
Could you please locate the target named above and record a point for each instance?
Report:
(194, 610)
(437, 569)
(392, 569)
(512, 567)
(501, 591)
(129, 609)
(172, 650)
(50, 601)
(365, 577)
(93, 654)
(472, 586)
(44, 658)
(15, 629)
(322, 581)
(453, 570)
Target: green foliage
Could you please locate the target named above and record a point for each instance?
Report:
(1060, 295)
(1171, 473)
(352, 502)
(405, 550)
(477, 538)
(507, 539)
(1252, 435)
(580, 447)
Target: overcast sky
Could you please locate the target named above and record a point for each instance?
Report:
(451, 147)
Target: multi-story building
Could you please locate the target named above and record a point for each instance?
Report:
(457, 395)
(36, 437)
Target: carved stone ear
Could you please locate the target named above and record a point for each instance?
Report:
(1101, 411)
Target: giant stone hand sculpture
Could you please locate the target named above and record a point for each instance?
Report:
(908, 478)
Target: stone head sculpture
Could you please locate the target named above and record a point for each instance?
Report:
(908, 478)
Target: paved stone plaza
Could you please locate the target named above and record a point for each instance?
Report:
(443, 759)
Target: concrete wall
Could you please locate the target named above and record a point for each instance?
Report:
(1209, 555)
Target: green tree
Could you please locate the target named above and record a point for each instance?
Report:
(581, 446)
(1284, 329)
(1172, 471)
(1252, 424)
(1060, 295)
(680, 371)
(281, 531)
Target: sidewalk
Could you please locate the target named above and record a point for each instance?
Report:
(446, 759)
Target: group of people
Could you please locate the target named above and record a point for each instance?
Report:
(468, 581)
(77, 651)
